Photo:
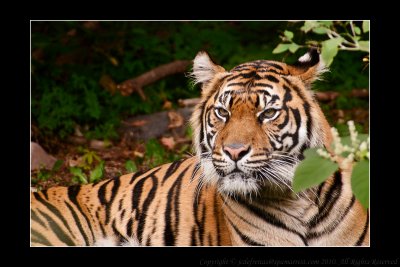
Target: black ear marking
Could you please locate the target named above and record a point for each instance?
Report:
(309, 59)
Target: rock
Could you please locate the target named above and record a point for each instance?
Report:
(40, 158)
(145, 127)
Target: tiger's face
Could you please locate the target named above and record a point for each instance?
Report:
(255, 121)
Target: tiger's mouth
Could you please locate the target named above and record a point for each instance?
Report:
(273, 174)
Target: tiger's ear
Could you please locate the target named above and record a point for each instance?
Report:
(308, 67)
(204, 69)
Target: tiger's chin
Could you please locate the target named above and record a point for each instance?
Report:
(238, 183)
(269, 182)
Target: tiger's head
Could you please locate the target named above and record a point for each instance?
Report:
(254, 122)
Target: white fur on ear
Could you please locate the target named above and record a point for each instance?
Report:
(305, 58)
(204, 69)
(309, 67)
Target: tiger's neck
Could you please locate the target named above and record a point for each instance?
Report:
(326, 215)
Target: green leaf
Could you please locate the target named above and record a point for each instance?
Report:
(130, 166)
(360, 182)
(308, 25)
(329, 49)
(320, 30)
(357, 30)
(289, 35)
(364, 45)
(365, 26)
(57, 165)
(280, 48)
(77, 172)
(97, 173)
(312, 171)
(293, 47)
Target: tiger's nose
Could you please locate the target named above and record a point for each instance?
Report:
(236, 151)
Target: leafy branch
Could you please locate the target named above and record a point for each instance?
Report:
(319, 164)
(342, 35)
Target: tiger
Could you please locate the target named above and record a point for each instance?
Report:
(250, 130)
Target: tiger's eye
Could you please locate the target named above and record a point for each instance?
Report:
(222, 112)
(268, 114)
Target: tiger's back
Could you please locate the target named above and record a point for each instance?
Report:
(157, 208)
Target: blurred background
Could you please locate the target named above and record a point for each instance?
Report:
(108, 98)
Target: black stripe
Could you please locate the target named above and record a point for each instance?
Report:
(234, 77)
(39, 238)
(276, 66)
(236, 84)
(100, 223)
(263, 85)
(44, 192)
(287, 213)
(101, 193)
(243, 237)
(53, 209)
(257, 103)
(137, 192)
(146, 205)
(242, 218)
(62, 236)
(73, 192)
(295, 88)
(196, 209)
(269, 71)
(272, 78)
(36, 218)
(202, 224)
(135, 175)
(114, 191)
(209, 120)
(78, 223)
(120, 237)
(295, 135)
(285, 122)
(273, 99)
(122, 215)
(334, 225)
(120, 203)
(201, 136)
(129, 226)
(319, 192)
(364, 233)
(288, 95)
(142, 173)
(215, 96)
(247, 75)
(306, 107)
(169, 235)
(171, 169)
(193, 237)
(329, 201)
(270, 218)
